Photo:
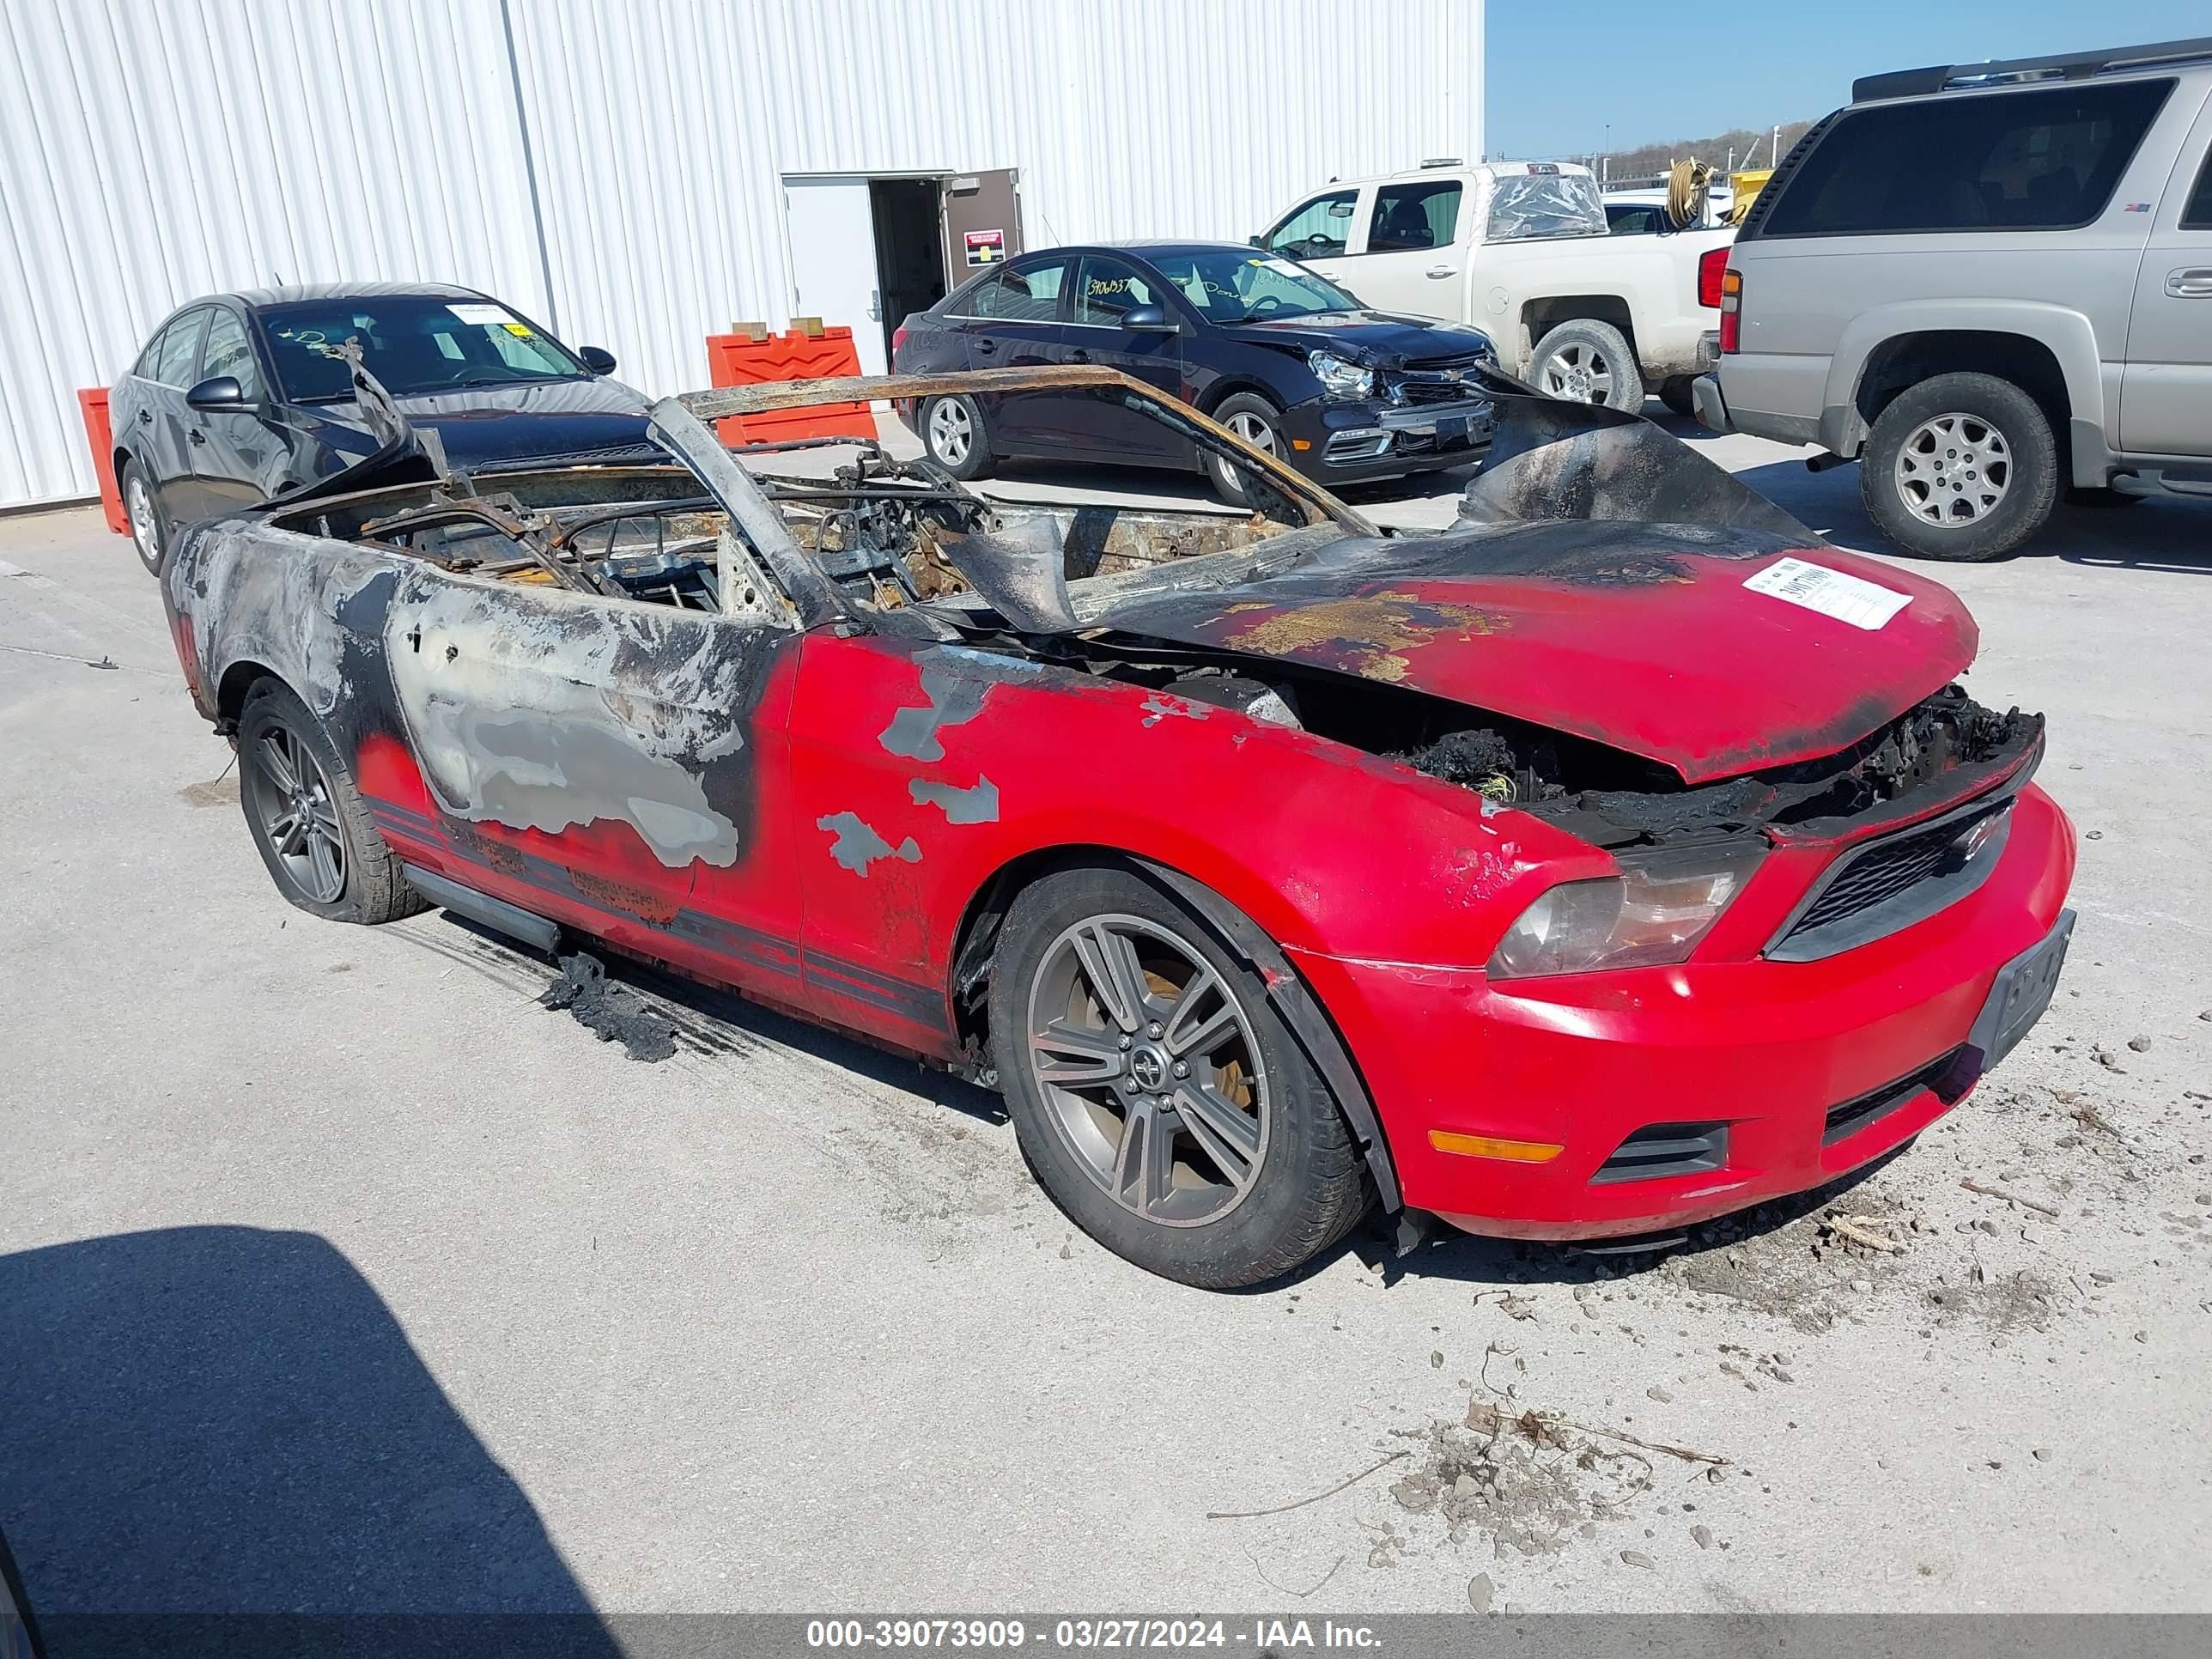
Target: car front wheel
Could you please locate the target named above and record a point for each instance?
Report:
(1260, 424)
(1157, 1095)
(146, 533)
(1960, 466)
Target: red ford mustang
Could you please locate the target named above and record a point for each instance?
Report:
(1620, 856)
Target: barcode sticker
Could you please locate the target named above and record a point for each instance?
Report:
(1847, 598)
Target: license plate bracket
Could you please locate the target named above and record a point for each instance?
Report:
(2020, 994)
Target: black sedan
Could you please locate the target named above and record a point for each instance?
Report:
(240, 398)
(1284, 358)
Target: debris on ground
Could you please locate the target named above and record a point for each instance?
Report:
(610, 1012)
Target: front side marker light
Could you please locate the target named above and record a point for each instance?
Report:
(1512, 1151)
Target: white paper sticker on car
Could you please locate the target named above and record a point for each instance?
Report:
(1847, 598)
(479, 312)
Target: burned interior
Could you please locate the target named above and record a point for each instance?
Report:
(1572, 494)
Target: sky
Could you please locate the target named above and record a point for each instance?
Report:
(1685, 70)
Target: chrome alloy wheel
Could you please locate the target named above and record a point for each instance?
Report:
(292, 801)
(1577, 374)
(1953, 470)
(1254, 429)
(1151, 1069)
(952, 431)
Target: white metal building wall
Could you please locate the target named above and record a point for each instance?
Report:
(151, 151)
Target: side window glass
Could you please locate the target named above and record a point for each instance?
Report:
(1031, 295)
(1411, 216)
(181, 344)
(2197, 214)
(1317, 229)
(1108, 289)
(227, 352)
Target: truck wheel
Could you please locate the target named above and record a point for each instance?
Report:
(1587, 362)
(1960, 467)
(953, 432)
(1159, 1096)
(307, 820)
(1677, 392)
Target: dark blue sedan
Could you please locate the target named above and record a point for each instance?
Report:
(1284, 358)
(239, 397)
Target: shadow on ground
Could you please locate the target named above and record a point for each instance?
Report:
(219, 1440)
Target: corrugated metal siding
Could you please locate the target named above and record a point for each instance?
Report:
(148, 154)
(663, 129)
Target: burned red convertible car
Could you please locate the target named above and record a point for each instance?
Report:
(1622, 855)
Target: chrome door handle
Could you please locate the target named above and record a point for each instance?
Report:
(2195, 284)
(196, 435)
(1444, 270)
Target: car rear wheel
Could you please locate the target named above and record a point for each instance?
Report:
(1156, 1092)
(1960, 466)
(1260, 424)
(145, 521)
(307, 819)
(1587, 362)
(953, 432)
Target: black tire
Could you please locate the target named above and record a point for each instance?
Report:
(1957, 473)
(1246, 409)
(148, 537)
(1678, 392)
(1587, 362)
(1306, 1185)
(940, 439)
(371, 888)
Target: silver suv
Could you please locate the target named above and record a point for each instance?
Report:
(1989, 283)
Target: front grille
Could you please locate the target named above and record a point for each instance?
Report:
(1948, 1075)
(1445, 381)
(1666, 1148)
(1883, 873)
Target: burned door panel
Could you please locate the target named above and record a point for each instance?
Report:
(622, 758)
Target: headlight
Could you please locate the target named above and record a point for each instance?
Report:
(1654, 911)
(1339, 376)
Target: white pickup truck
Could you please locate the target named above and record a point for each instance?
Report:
(1520, 250)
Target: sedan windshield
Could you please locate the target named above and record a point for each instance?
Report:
(413, 343)
(1228, 285)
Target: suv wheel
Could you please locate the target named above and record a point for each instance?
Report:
(1962, 466)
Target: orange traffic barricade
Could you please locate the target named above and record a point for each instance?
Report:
(752, 355)
(93, 405)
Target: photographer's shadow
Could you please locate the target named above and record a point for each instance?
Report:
(219, 1438)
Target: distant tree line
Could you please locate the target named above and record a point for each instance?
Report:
(1648, 159)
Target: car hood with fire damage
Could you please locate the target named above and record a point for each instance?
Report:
(1602, 579)
(1646, 638)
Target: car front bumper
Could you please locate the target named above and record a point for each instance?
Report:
(1334, 443)
(1805, 1070)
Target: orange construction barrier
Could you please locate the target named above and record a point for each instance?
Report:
(753, 354)
(94, 404)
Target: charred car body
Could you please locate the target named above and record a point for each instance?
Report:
(1621, 856)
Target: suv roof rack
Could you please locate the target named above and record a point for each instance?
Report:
(2067, 66)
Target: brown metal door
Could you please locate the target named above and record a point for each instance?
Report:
(982, 222)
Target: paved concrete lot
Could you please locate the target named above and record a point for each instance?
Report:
(335, 1273)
